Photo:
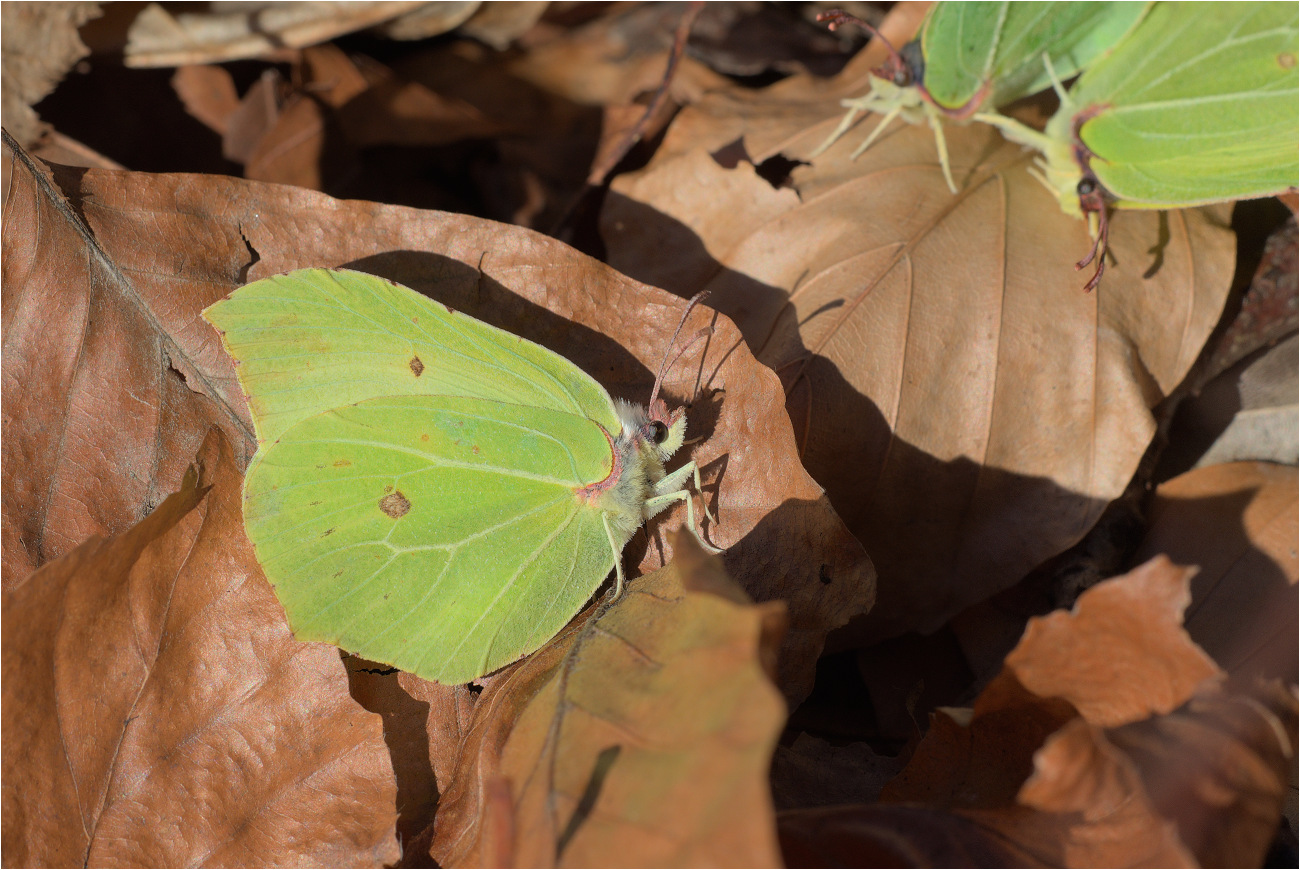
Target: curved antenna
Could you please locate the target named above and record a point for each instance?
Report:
(663, 366)
(837, 18)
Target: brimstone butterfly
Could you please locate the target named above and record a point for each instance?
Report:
(970, 57)
(1197, 105)
(430, 491)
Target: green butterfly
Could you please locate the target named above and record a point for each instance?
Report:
(1197, 105)
(974, 57)
(430, 491)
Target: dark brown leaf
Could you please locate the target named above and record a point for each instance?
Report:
(1237, 522)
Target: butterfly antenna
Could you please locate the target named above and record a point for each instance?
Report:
(837, 18)
(663, 366)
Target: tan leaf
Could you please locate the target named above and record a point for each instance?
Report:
(208, 93)
(1206, 781)
(101, 401)
(968, 408)
(1192, 773)
(642, 736)
(40, 45)
(157, 711)
(499, 24)
(1237, 522)
(1121, 655)
(158, 38)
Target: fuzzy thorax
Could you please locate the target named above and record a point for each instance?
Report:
(647, 440)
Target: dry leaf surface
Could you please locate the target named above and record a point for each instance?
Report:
(1109, 736)
(642, 735)
(102, 404)
(99, 405)
(968, 408)
(157, 711)
(158, 38)
(424, 723)
(40, 44)
(1237, 523)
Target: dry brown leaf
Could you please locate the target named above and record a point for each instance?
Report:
(157, 711)
(1237, 522)
(397, 112)
(968, 408)
(614, 59)
(102, 408)
(1248, 413)
(38, 44)
(978, 759)
(257, 113)
(430, 19)
(158, 38)
(424, 723)
(641, 737)
(499, 24)
(1122, 654)
(208, 94)
(1202, 786)
(1194, 772)
(1119, 657)
(100, 402)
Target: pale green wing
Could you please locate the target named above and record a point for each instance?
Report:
(969, 45)
(1198, 105)
(317, 339)
(441, 535)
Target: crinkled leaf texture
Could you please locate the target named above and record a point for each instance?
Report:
(641, 735)
(157, 712)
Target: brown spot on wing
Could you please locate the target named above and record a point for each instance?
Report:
(417, 367)
(395, 505)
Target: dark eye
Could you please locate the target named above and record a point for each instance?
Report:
(1086, 187)
(658, 432)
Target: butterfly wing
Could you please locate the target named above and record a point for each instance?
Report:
(438, 534)
(1198, 105)
(970, 45)
(317, 339)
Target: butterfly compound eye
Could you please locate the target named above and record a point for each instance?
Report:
(658, 432)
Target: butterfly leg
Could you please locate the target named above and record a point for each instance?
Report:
(941, 144)
(617, 549)
(876, 131)
(861, 104)
(671, 489)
